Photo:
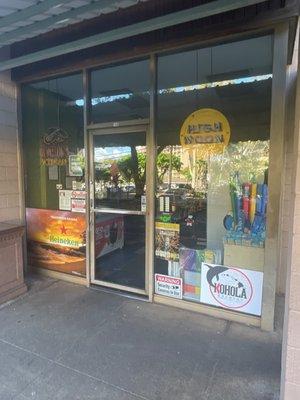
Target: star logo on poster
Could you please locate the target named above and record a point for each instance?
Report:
(63, 230)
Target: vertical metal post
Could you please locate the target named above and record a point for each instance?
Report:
(21, 173)
(275, 175)
(86, 119)
(91, 183)
(151, 176)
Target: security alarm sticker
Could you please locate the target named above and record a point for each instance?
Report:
(168, 286)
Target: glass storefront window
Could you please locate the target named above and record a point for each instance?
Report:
(120, 93)
(213, 130)
(52, 124)
(120, 170)
(53, 142)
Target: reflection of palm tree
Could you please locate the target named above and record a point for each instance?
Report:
(133, 169)
(198, 171)
(114, 171)
(113, 233)
(139, 176)
(250, 159)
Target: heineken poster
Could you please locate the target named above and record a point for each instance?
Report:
(56, 240)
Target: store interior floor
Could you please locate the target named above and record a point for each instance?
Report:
(124, 266)
(62, 341)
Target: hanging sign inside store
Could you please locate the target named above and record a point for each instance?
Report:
(56, 240)
(143, 203)
(164, 204)
(54, 147)
(232, 288)
(76, 165)
(53, 173)
(206, 131)
(78, 194)
(168, 286)
(65, 199)
(78, 205)
(72, 200)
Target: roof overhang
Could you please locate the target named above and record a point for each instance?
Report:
(37, 24)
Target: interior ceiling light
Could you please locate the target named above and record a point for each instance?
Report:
(62, 21)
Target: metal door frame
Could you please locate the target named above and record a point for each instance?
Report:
(122, 127)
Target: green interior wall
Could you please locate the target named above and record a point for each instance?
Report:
(41, 110)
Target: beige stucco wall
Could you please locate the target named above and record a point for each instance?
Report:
(290, 387)
(286, 200)
(10, 188)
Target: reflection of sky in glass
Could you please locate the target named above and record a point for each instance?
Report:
(110, 99)
(102, 153)
(178, 89)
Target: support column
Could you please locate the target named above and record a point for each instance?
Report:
(290, 379)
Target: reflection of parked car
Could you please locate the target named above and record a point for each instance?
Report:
(179, 193)
(184, 186)
(129, 188)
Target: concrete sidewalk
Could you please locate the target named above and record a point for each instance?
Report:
(66, 342)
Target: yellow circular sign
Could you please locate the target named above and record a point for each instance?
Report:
(205, 130)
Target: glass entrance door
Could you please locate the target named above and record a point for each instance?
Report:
(118, 206)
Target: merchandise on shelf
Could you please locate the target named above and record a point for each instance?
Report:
(174, 269)
(190, 261)
(247, 225)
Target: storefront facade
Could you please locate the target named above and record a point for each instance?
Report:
(154, 151)
(161, 176)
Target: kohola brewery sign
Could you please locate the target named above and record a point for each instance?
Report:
(232, 288)
(207, 130)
